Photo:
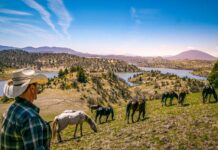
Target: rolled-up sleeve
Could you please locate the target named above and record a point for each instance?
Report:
(32, 134)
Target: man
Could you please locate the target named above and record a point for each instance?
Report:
(22, 127)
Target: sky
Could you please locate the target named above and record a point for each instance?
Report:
(127, 27)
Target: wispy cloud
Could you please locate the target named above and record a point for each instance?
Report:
(42, 11)
(64, 18)
(141, 14)
(14, 12)
(8, 19)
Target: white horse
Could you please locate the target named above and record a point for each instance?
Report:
(71, 117)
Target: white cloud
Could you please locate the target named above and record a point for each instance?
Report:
(216, 47)
(8, 19)
(64, 18)
(14, 12)
(141, 14)
(44, 13)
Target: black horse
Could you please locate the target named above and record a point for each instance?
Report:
(182, 96)
(208, 91)
(135, 105)
(167, 95)
(104, 111)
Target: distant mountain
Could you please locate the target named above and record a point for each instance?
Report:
(46, 49)
(192, 55)
(2, 47)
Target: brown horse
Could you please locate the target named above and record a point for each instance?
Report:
(135, 105)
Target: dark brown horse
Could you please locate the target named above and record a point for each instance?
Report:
(207, 92)
(135, 105)
(167, 95)
(104, 111)
(182, 96)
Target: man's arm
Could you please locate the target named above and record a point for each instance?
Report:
(32, 134)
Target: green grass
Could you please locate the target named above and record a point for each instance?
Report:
(192, 127)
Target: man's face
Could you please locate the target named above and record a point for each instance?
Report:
(34, 91)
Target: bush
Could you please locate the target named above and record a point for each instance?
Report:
(81, 76)
(213, 76)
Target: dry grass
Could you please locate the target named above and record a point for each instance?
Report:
(192, 127)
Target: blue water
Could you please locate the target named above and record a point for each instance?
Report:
(178, 72)
(48, 74)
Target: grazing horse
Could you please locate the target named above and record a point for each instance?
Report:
(70, 117)
(135, 105)
(104, 111)
(94, 107)
(167, 95)
(182, 96)
(208, 91)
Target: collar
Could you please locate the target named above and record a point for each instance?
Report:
(24, 102)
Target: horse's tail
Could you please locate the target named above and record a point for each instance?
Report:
(112, 113)
(54, 125)
(214, 94)
(128, 109)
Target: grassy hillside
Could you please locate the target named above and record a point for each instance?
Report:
(154, 83)
(192, 127)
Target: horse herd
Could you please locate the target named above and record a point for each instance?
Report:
(71, 117)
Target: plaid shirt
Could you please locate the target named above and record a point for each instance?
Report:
(23, 128)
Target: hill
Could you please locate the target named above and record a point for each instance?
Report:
(192, 127)
(192, 55)
(56, 61)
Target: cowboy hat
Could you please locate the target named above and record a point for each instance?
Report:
(20, 80)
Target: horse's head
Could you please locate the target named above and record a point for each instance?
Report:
(91, 123)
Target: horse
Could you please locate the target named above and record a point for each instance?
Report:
(104, 111)
(182, 96)
(70, 117)
(208, 91)
(135, 105)
(167, 95)
(94, 107)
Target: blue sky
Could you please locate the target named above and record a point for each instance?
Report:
(131, 27)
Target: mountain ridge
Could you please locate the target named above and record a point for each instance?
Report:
(189, 54)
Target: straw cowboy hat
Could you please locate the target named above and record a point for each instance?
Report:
(20, 80)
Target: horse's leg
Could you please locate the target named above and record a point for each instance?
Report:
(128, 112)
(206, 97)
(81, 129)
(133, 112)
(96, 116)
(59, 137)
(171, 101)
(165, 101)
(143, 112)
(107, 117)
(139, 115)
(209, 98)
(100, 118)
(75, 131)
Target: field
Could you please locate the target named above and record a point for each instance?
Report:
(194, 126)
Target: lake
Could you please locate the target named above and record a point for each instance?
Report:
(48, 74)
(178, 72)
